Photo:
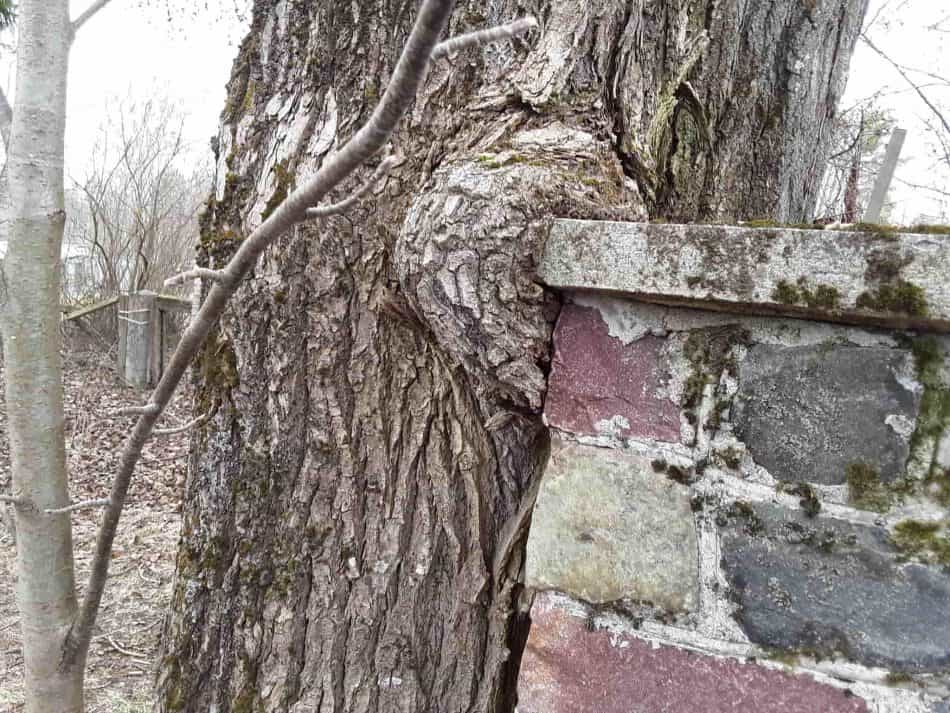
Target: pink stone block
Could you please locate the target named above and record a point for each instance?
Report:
(568, 669)
(596, 378)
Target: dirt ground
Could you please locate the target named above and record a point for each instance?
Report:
(120, 674)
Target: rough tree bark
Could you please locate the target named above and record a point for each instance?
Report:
(356, 508)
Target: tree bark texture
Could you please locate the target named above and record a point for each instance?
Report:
(30, 319)
(355, 511)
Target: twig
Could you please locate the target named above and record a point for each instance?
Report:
(484, 37)
(152, 409)
(126, 652)
(900, 70)
(88, 14)
(181, 429)
(16, 501)
(84, 505)
(6, 118)
(406, 79)
(334, 208)
(198, 273)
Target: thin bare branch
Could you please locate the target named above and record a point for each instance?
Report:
(84, 505)
(344, 205)
(88, 14)
(484, 37)
(198, 273)
(900, 70)
(407, 77)
(6, 118)
(181, 429)
(16, 501)
(147, 410)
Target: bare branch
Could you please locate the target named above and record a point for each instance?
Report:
(147, 410)
(88, 14)
(484, 37)
(181, 429)
(16, 501)
(6, 118)
(334, 208)
(900, 70)
(407, 77)
(84, 505)
(198, 273)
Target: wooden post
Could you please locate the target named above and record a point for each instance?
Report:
(122, 307)
(139, 319)
(883, 181)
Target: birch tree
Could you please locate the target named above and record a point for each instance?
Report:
(56, 627)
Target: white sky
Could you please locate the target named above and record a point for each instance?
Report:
(132, 50)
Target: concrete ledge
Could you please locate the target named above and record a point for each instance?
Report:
(883, 279)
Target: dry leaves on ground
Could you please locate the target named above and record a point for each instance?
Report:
(120, 673)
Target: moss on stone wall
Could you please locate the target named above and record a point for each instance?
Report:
(898, 297)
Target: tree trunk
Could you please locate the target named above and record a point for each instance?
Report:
(32, 342)
(355, 512)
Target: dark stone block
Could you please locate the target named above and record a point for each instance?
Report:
(822, 586)
(807, 413)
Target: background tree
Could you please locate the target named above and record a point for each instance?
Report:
(903, 47)
(859, 137)
(141, 194)
(356, 506)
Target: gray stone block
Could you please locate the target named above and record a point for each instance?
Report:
(807, 413)
(607, 527)
(893, 280)
(823, 586)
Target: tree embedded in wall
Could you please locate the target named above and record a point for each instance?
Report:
(357, 503)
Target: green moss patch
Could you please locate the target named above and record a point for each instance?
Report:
(285, 184)
(900, 297)
(923, 541)
(808, 501)
(865, 489)
(818, 297)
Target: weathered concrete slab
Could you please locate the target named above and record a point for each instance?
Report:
(824, 586)
(807, 413)
(568, 669)
(607, 527)
(894, 280)
(600, 384)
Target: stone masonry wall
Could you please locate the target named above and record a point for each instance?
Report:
(742, 512)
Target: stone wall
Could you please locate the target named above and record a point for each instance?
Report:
(746, 505)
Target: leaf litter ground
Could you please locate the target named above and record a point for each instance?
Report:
(122, 657)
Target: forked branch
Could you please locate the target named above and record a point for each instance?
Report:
(88, 14)
(198, 273)
(181, 429)
(344, 205)
(406, 79)
(84, 505)
(484, 37)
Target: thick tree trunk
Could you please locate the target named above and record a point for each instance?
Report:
(356, 510)
(32, 341)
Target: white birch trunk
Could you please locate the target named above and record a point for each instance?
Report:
(34, 387)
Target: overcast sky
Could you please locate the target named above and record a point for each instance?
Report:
(131, 51)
